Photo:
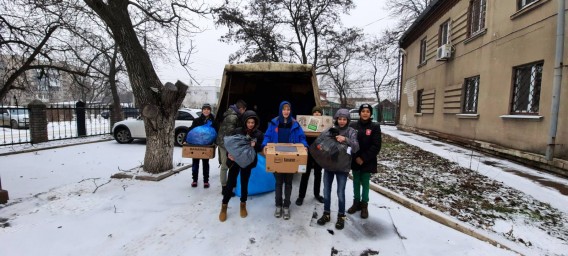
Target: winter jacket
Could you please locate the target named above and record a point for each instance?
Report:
(349, 133)
(369, 137)
(296, 132)
(228, 125)
(255, 134)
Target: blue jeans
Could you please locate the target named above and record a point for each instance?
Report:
(327, 182)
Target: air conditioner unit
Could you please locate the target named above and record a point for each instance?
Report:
(444, 52)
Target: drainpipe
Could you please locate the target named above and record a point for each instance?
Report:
(556, 81)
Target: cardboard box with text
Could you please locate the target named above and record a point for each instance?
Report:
(198, 151)
(314, 125)
(286, 158)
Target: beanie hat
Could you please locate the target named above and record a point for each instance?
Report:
(365, 105)
(317, 109)
(206, 105)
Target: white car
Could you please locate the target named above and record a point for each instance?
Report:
(128, 130)
(15, 117)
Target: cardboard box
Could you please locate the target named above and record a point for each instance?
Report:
(198, 151)
(314, 125)
(286, 158)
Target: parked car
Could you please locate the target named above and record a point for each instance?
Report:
(15, 117)
(128, 112)
(128, 130)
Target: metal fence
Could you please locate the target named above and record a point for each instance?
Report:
(64, 121)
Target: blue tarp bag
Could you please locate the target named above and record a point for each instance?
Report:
(260, 181)
(202, 135)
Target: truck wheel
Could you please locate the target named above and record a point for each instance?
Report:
(14, 124)
(122, 135)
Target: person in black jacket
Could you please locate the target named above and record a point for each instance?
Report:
(316, 111)
(364, 162)
(206, 116)
(250, 128)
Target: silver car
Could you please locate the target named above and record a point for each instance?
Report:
(15, 117)
(128, 130)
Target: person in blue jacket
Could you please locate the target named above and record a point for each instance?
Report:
(284, 129)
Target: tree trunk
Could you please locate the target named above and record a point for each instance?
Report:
(159, 103)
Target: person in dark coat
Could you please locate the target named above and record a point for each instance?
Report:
(364, 162)
(206, 116)
(316, 111)
(250, 128)
(231, 120)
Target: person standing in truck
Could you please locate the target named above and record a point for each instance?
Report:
(284, 129)
(231, 120)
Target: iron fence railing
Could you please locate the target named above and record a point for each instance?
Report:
(64, 121)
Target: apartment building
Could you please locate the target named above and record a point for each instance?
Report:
(482, 73)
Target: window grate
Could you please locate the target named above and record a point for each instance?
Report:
(471, 92)
(526, 90)
(476, 16)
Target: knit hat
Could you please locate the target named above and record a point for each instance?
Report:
(317, 109)
(206, 105)
(365, 105)
(343, 112)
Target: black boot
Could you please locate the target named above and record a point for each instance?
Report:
(340, 221)
(325, 218)
(364, 210)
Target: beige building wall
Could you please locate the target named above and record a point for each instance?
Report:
(511, 38)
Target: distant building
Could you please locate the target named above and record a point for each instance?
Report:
(196, 96)
(480, 73)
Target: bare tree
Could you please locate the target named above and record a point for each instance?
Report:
(406, 11)
(341, 52)
(378, 54)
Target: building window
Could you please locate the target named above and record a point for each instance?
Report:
(471, 90)
(476, 17)
(444, 34)
(526, 88)
(522, 3)
(419, 101)
(423, 50)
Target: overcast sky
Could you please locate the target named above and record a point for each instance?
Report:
(212, 55)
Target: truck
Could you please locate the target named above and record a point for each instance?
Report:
(264, 85)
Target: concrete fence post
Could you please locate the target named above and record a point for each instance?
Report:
(38, 122)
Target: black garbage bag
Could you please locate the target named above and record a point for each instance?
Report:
(329, 153)
(239, 147)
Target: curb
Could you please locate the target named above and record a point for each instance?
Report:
(52, 147)
(436, 216)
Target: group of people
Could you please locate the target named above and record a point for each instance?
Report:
(362, 137)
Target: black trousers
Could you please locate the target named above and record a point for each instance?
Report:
(306, 178)
(286, 180)
(232, 182)
(195, 169)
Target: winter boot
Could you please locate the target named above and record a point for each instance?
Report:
(244, 212)
(355, 207)
(194, 184)
(223, 214)
(364, 210)
(278, 212)
(340, 221)
(286, 214)
(299, 201)
(325, 218)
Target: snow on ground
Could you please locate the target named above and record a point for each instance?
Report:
(53, 211)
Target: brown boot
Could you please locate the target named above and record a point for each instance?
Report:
(355, 207)
(244, 212)
(223, 214)
(364, 210)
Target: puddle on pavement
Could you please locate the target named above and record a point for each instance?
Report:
(563, 189)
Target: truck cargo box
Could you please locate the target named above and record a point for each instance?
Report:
(264, 85)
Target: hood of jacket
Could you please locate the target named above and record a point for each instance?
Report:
(280, 116)
(248, 115)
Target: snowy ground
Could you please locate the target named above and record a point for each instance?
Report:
(53, 211)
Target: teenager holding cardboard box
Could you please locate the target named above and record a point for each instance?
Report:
(284, 129)
(250, 129)
(206, 116)
(316, 111)
(347, 136)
